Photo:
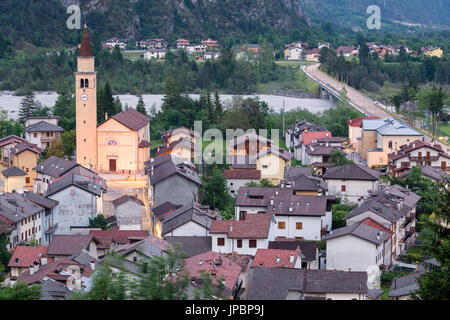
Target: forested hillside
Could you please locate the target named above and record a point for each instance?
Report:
(352, 13)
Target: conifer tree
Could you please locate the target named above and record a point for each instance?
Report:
(27, 106)
(141, 105)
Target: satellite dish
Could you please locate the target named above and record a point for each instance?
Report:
(373, 277)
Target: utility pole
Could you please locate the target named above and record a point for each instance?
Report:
(283, 120)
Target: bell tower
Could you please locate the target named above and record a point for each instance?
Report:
(86, 105)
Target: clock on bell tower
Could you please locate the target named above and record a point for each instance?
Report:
(86, 105)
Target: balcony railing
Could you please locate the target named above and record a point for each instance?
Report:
(426, 158)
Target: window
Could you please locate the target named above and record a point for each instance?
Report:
(265, 166)
(86, 83)
(242, 215)
(27, 180)
(304, 265)
(281, 225)
(252, 243)
(239, 243)
(390, 145)
(220, 242)
(299, 225)
(81, 83)
(35, 134)
(343, 188)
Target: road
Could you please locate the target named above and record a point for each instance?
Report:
(359, 101)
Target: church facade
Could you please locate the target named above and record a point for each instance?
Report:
(121, 143)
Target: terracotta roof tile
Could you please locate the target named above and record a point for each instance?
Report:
(26, 255)
(274, 258)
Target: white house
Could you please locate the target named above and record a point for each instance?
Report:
(352, 181)
(358, 246)
(237, 179)
(155, 54)
(128, 211)
(42, 130)
(243, 236)
(192, 219)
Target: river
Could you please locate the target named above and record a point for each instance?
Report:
(10, 102)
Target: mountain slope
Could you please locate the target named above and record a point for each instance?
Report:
(353, 12)
(43, 23)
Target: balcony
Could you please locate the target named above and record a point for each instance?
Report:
(52, 228)
(423, 159)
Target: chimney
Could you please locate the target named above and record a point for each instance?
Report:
(36, 266)
(106, 115)
(291, 259)
(43, 260)
(92, 264)
(231, 228)
(31, 268)
(200, 262)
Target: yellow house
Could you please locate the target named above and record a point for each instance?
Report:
(271, 163)
(383, 136)
(433, 52)
(248, 144)
(25, 156)
(13, 179)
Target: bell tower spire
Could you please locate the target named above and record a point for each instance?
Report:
(86, 105)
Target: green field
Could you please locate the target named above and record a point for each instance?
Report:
(300, 83)
(445, 130)
(291, 63)
(133, 56)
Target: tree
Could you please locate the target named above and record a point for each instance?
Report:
(21, 291)
(214, 191)
(433, 100)
(54, 149)
(263, 183)
(5, 255)
(339, 158)
(141, 105)
(68, 140)
(397, 100)
(27, 106)
(434, 284)
(340, 210)
(98, 221)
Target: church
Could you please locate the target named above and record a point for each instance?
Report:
(121, 143)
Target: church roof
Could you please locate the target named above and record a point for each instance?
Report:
(132, 119)
(85, 49)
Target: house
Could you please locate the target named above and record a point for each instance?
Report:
(192, 219)
(152, 44)
(13, 179)
(219, 268)
(358, 246)
(317, 155)
(242, 236)
(49, 169)
(210, 43)
(305, 184)
(383, 136)
(6, 143)
(432, 52)
(25, 156)
(176, 183)
(78, 199)
(182, 43)
(113, 42)
(273, 258)
(296, 216)
(23, 256)
(313, 55)
(304, 138)
(271, 163)
(417, 154)
(347, 51)
(395, 209)
(167, 137)
(352, 181)
(191, 245)
(300, 284)
(403, 287)
(64, 246)
(128, 211)
(71, 273)
(111, 240)
(240, 178)
(41, 131)
(183, 149)
(159, 54)
(354, 131)
(23, 217)
(435, 174)
(248, 144)
(309, 250)
(53, 290)
(295, 50)
(208, 55)
(48, 224)
(160, 212)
